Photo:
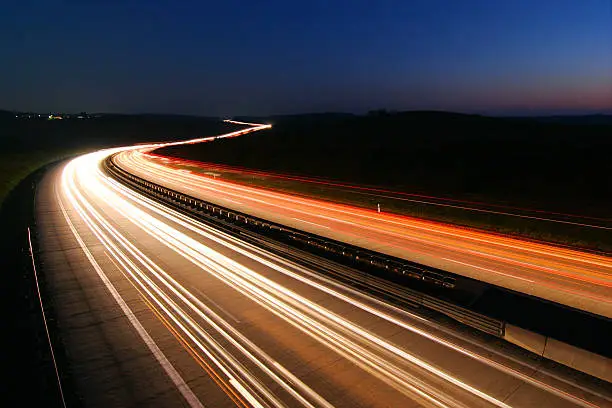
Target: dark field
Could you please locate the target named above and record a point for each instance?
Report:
(27, 144)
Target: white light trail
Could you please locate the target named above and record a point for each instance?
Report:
(213, 262)
(139, 161)
(84, 186)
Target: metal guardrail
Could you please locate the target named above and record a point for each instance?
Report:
(238, 222)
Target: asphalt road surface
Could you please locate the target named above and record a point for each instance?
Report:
(574, 278)
(157, 309)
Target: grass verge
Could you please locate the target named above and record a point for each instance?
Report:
(16, 166)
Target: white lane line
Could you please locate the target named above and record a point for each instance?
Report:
(259, 201)
(233, 201)
(149, 287)
(176, 378)
(204, 311)
(166, 214)
(234, 318)
(312, 223)
(489, 270)
(308, 202)
(246, 394)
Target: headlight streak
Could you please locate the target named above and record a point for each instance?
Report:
(184, 342)
(142, 283)
(199, 228)
(365, 349)
(261, 295)
(178, 381)
(136, 273)
(279, 307)
(132, 159)
(287, 307)
(309, 326)
(552, 285)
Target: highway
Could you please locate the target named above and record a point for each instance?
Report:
(574, 278)
(158, 309)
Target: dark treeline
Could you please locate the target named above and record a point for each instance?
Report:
(552, 163)
(107, 130)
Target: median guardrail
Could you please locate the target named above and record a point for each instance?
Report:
(244, 224)
(239, 222)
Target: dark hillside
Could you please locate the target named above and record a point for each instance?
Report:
(28, 143)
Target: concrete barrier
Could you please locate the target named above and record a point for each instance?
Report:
(579, 359)
(526, 339)
(560, 352)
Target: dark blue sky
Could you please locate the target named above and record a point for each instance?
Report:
(263, 57)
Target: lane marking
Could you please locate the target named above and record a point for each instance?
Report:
(489, 270)
(465, 352)
(176, 378)
(312, 223)
(233, 201)
(311, 202)
(153, 268)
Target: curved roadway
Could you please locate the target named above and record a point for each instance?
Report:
(157, 309)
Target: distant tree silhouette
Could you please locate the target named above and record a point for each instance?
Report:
(379, 112)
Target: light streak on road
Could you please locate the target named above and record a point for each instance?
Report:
(579, 279)
(294, 297)
(111, 237)
(161, 358)
(264, 258)
(475, 206)
(140, 161)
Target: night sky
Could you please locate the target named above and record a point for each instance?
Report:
(267, 57)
